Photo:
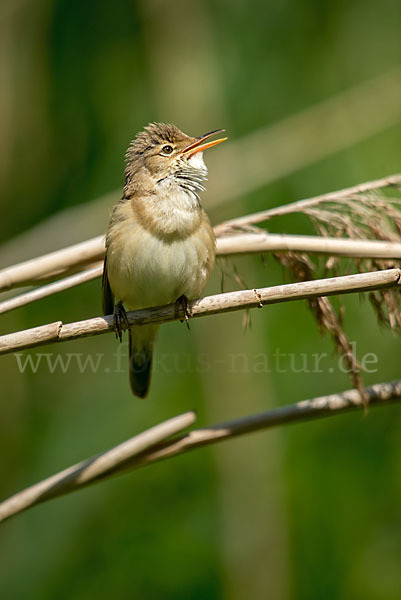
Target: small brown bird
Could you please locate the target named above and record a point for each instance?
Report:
(160, 246)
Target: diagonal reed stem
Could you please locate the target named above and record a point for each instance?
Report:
(152, 445)
(209, 305)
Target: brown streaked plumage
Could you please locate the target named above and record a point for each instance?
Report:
(160, 246)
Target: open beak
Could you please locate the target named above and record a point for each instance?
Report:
(199, 146)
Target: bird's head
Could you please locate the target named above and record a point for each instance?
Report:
(169, 157)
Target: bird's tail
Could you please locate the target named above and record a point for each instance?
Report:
(141, 342)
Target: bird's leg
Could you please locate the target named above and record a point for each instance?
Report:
(120, 320)
(182, 304)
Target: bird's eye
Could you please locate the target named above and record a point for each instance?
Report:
(167, 149)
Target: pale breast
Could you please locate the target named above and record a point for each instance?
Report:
(145, 270)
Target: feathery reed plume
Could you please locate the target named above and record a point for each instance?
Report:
(364, 213)
(367, 215)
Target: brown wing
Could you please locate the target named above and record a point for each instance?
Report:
(107, 294)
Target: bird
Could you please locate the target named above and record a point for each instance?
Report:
(160, 246)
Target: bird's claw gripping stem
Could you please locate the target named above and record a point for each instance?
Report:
(181, 304)
(120, 320)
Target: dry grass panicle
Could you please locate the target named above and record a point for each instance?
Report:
(366, 215)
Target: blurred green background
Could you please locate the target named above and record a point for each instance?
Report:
(310, 95)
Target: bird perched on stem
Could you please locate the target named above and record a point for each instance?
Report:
(160, 246)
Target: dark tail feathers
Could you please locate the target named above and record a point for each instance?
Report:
(140, 368)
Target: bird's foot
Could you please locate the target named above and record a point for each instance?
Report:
(181, 304)
(120, 320)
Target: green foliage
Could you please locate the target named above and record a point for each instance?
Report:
(306, 512)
